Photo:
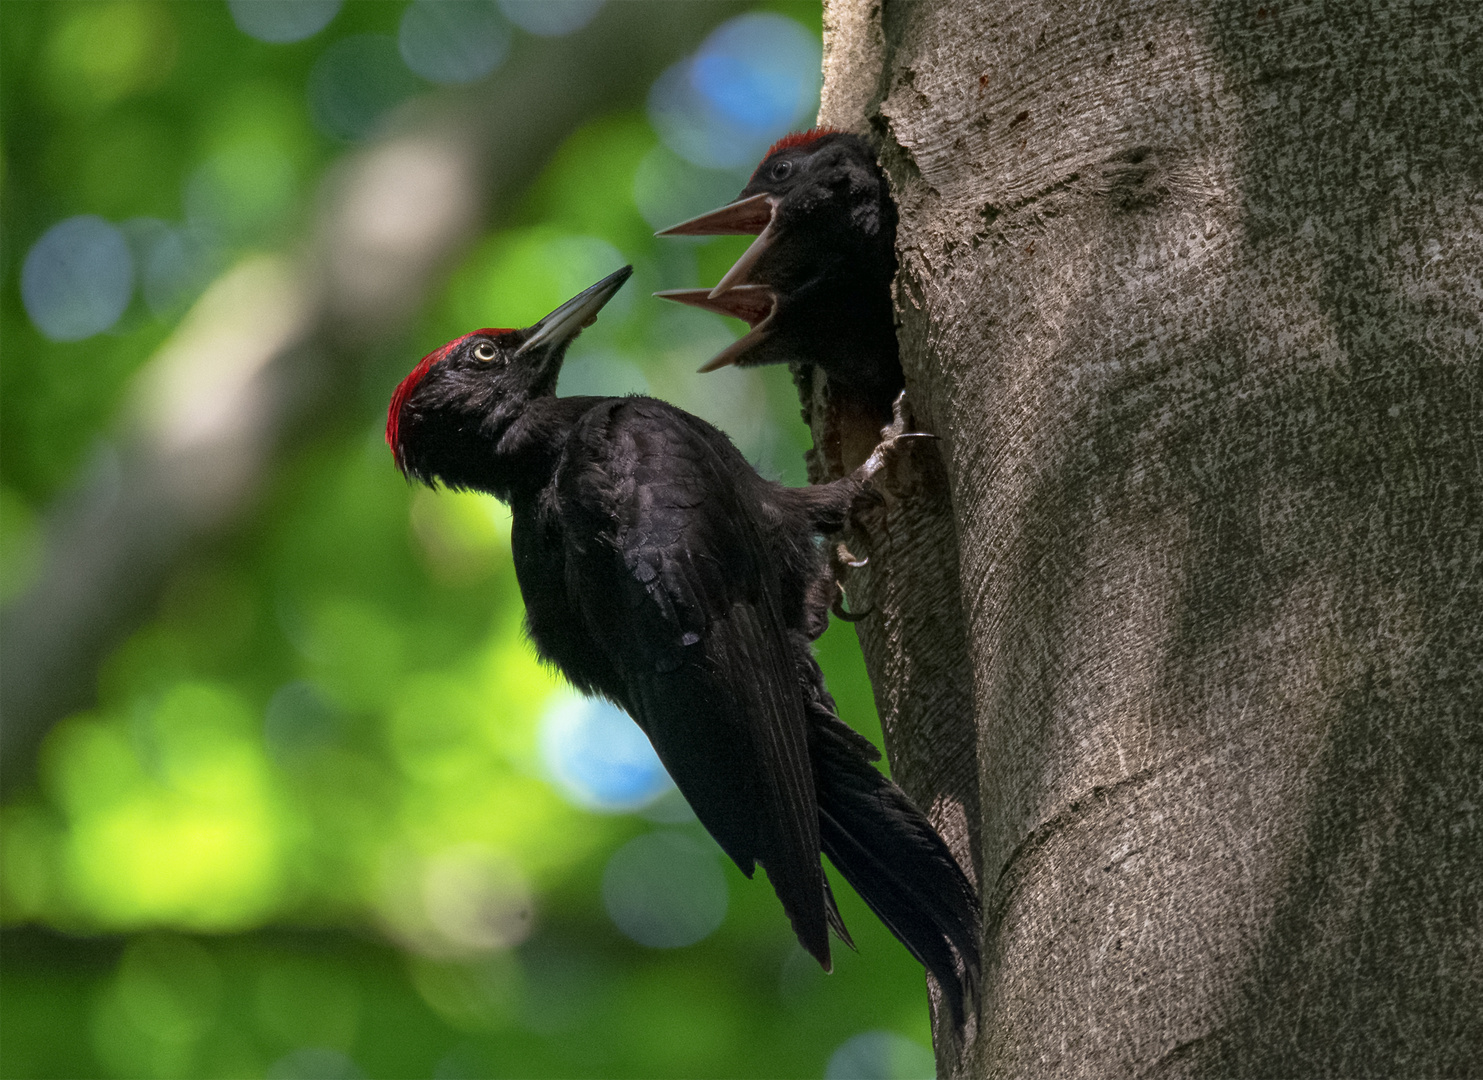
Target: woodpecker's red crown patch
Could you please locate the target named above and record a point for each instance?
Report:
(799, 138)
(409, 384)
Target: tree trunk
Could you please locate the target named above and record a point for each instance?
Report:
(1193, 296)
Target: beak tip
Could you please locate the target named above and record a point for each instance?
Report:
(574, 316)
(725, 358)
(744, 217)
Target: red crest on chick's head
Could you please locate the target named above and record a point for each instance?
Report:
(799, 138)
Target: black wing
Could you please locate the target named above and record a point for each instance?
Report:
(675, 586)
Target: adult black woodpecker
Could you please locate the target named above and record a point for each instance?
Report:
(662, 573)
(815, 286)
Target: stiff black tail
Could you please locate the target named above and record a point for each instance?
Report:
(888, 850)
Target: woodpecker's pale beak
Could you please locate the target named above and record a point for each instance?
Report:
(754, 214)
(745, 217)
(753, 303)
(572, 317)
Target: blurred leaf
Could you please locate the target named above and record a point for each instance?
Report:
(101, 53)
(309, 818)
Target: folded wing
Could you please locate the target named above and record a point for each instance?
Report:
(677, 589)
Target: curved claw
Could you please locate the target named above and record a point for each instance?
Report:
(841, 612)
(843, 556)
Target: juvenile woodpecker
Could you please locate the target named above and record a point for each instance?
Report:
(815, 286)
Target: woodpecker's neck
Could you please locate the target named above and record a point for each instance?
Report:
(506, 458)
(526, 454)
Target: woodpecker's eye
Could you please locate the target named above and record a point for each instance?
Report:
(780, 169)
(484, 351)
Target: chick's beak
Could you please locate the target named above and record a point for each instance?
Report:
(572, 317)
(745, 217)
(754, 214)
(753, 303)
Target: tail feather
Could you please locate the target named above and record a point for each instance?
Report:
(888, 850)
(836, 920)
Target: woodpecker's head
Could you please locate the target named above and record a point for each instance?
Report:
(808, 162)
(821, 211)
(450, 412)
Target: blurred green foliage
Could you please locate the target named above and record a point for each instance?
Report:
(246, 859)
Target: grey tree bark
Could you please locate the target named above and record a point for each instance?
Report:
(1179, 625)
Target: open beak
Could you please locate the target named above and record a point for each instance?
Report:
(753, 303)
(572, 317)
(745, 217)
(755, 214)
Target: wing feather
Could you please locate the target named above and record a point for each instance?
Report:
(681, 596)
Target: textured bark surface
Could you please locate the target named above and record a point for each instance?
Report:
(913, 634)
(911, 628)
(1193, 295)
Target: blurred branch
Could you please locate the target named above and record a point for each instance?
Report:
(260, 356)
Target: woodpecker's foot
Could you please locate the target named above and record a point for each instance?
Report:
(866, 515)
(843, 558)
(897, 426)
(891, 437)
(839, 609)
(841, 562)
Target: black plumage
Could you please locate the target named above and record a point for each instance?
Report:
(815, 286)
(661, 572)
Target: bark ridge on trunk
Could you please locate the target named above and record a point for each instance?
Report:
(1192, 294)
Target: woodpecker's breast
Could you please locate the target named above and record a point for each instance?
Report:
(551, 618)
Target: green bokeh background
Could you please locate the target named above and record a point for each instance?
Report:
(184, 896)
